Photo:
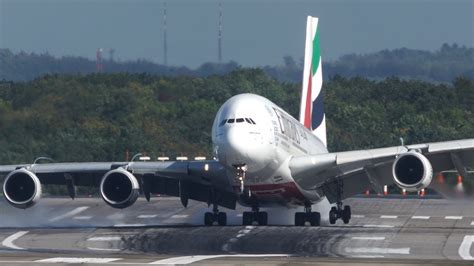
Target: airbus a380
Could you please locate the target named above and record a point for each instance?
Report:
(264, 157)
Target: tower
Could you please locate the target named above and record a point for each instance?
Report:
(98, 63)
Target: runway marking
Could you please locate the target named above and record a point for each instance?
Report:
(404, 251)
(357, 216)
(76, 211)
(193, 259)
(8, 242)
(105, 249)
(368, 238)
(472, 223)
(227, 246)
(389, 217)
(82, 217)
(453, 217)
(79, 260)
(105, 238)
(129, 225)
(147, 216)
(420, 217)
(368, 256)
(179, 216)
(378, 225)
(465, 248)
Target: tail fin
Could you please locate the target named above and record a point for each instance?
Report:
(312, 107)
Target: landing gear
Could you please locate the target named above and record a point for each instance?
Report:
(261, 218)
(340, 213)
(240, 177)
(215, 216)
(314, 218)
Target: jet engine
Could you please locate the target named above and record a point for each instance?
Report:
(119, 188)
(412, 171)
(22, 188)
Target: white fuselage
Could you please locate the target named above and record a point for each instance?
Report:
(250, 130)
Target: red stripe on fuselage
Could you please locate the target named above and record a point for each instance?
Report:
(288, 191)
(307, 111)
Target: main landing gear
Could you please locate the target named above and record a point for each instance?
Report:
(339, 212)
(215, 216)
(314, 218)
(261, 218)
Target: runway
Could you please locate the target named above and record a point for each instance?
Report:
(85, 230)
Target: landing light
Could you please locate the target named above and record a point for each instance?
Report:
(163, 158)
(144, 158)
(182, 158)
(200, 158)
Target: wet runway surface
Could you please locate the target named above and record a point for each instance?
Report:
(85, 230)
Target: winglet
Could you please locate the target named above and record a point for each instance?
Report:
(312, 107)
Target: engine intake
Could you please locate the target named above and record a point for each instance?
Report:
(119, 188)
(22, 188)
(412, 171)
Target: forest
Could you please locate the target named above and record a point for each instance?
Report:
(102, 117)
(441, 66)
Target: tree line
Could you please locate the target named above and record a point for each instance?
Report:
(102, 117)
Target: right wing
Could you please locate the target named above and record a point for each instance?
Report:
(359, 170)
(204, 181)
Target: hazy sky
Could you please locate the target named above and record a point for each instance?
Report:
(257, 32)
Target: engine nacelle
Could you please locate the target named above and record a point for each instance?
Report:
(412, 171)
(22, 188)
(119, 188)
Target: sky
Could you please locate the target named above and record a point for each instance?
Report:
(255, 33)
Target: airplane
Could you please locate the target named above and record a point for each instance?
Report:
(263, 158)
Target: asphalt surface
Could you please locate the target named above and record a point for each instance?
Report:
(86, 230)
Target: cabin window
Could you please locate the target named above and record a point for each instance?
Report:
(223, 122)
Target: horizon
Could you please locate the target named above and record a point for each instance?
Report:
(262, 38)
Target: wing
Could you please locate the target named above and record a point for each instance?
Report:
(356, 171)
(204, 181)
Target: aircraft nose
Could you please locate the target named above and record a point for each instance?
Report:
(237, 144)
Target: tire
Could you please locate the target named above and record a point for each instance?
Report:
(208, 219)
(247, 218)
(332, 216)
(222, 218)
(299, 218)
(315, 218)
(262, 218)
(346, 214)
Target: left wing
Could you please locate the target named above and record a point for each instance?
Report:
(410, 167)
(121, 182)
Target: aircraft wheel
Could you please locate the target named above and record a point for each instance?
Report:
(333, 215)
(315, 218)
(208, 218)
(262, 218)
(222, 218)
(299, 218)
(346, 214)
(247, 218)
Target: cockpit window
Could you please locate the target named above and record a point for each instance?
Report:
(230, 121)
(239, 120)
(248, 120)
(253, 122)
(223, 122)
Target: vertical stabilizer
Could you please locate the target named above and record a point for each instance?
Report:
(312, 107)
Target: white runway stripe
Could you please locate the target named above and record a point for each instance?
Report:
(129, 225)
(472, 223)
(105, 249)
(420, 217)
(105, 238)
(389, 217)
(78, 260)
(357, 216)
(8, 242)
(76, 211)
(82, 217)
(378, 225)
(465, 248)
(368, 238)
(404, 251)
(179, 216)
(193, 259)
(147, 216)
(453, 217)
